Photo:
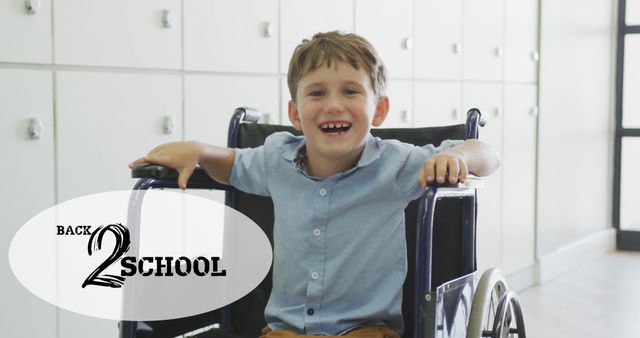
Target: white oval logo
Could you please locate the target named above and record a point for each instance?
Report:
(115, 255)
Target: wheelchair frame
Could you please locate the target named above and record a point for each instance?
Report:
(435, 309)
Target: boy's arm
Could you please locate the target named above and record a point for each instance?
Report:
(184, 156)
(471, 156)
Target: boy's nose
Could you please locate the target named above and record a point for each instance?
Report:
(334, 105)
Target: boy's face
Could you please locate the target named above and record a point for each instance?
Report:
(335, 108)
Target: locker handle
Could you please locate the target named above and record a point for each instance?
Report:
(267, 29)
(499, 52)
(407, 43)
(32, 6)
(534, 111)
(265, 118)
(405, 115)
(457, 48)
(168, 125)
(35, 128)
(535, 56)
(455, 114)
(167, 18)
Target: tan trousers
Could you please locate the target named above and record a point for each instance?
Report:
(362, 332)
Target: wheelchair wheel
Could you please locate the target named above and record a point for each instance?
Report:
(494, 309)
(508, 308)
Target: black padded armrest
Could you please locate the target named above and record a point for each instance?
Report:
(198, 180)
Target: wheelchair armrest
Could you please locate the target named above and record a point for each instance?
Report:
(472, 182)
(198, 180)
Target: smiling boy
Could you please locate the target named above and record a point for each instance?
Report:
(339, 193)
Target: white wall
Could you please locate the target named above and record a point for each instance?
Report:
(576, 122)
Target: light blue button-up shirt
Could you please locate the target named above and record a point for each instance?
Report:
(340, 256)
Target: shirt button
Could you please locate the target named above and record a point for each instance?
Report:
(316, 232)
(323, 192)
(310, 312)
(315, 275)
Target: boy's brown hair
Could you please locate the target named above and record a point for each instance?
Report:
(326, 48)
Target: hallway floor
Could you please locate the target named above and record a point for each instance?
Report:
(601, 299)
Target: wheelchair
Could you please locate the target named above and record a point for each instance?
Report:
(440, 295)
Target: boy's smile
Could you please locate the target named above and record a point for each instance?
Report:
(335, 127)
(335, 108)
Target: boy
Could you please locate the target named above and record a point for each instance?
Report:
(339, 194)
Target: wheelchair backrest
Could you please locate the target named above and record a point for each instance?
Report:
(248, 313)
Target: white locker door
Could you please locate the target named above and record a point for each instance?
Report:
(210, 102)
(231, 36)
(437, 104)
(521, 41)
(483, 40)
(301, 19)
(438, 39)
(25, 34)
(400, 105)
(104, 121)
(28, 188)
(388, 25)
(488, 98)
(119, 33)
(519, 173)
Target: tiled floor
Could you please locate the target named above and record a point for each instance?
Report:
(600, 299)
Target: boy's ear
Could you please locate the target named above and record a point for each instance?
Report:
(382, 109)
(294, 115)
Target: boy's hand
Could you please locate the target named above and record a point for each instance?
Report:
(436, 168)
(181, 156)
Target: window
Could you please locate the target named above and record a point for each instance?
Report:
(626, 210)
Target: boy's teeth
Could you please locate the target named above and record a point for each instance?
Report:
(333, 125)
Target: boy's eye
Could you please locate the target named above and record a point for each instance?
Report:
(316, 93)
(350, 91)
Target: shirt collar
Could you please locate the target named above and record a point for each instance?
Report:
(290, 149)
(370, 153)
